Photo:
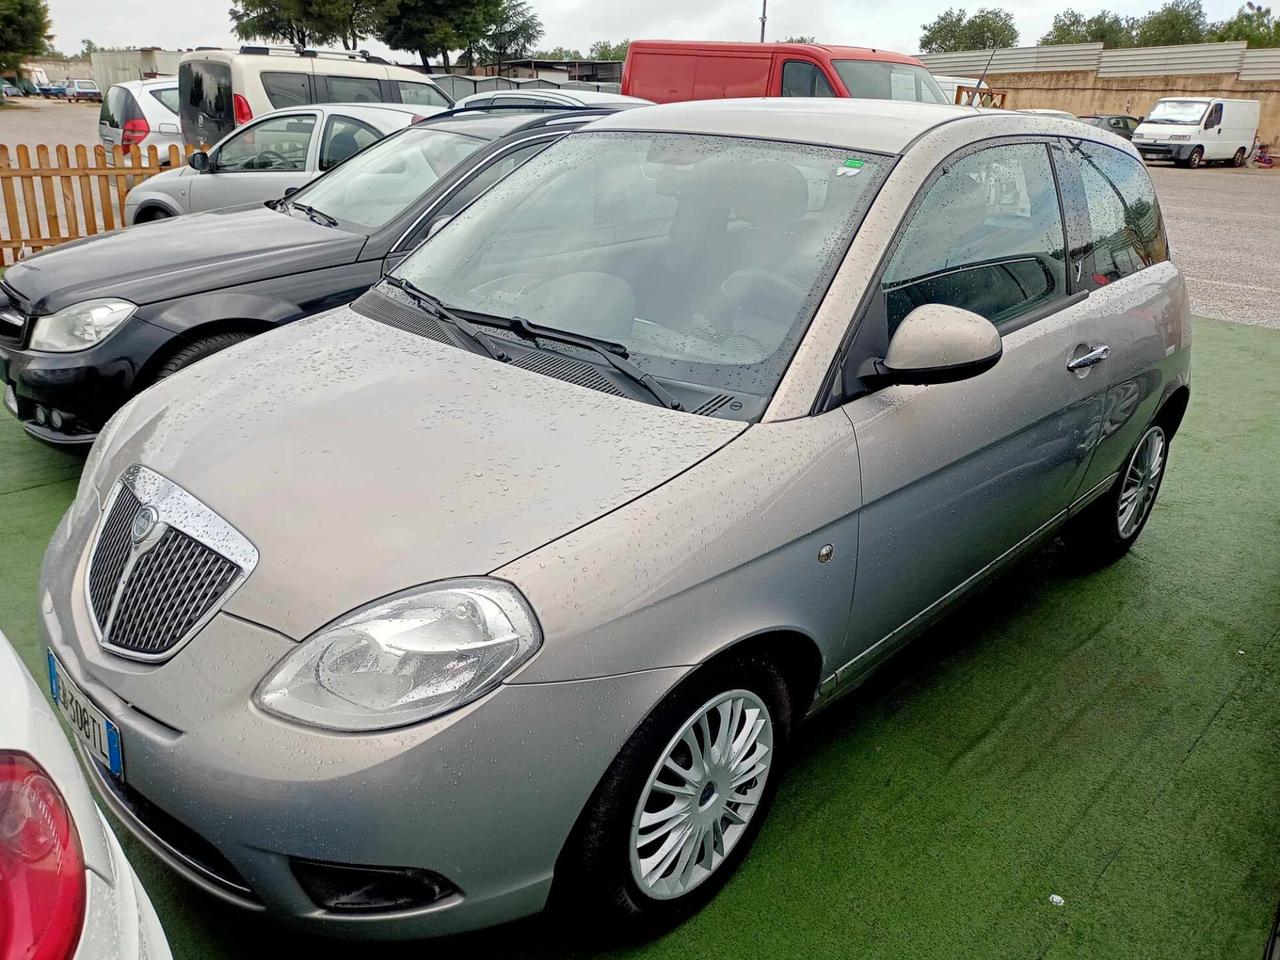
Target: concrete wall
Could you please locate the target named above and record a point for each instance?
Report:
(1083, 91)
(117, 66)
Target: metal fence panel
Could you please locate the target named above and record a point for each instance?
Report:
(1261, 65)
(1065, 56)
(1183, 59)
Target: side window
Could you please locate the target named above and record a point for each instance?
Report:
(987, 237)
(1214, 118)
(351, 89)
(800, 78)
(168, 97)
(1126, 229)
(112, 112)
(344, 137)
(478, 184)
(423, 94)
(288, 89)
(1118, 123)
(278, 144)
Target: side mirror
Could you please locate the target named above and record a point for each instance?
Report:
(290, 191)
(436, 226)
(937, 343)
(198, 161)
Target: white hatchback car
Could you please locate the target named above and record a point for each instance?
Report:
(140, 113)
(268, 157)
(548, 99)
(66, 889)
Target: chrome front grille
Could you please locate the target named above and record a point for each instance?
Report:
(161, 566)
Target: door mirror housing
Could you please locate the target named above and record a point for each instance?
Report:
(198, 161)
(938, 343)
(290, 191)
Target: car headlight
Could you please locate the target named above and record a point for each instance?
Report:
(80, 325)
(403, 660)
(1181, 136)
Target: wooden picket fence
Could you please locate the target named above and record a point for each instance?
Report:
(66, 193)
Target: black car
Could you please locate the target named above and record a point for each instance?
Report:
(88, 324)
(1120, 124)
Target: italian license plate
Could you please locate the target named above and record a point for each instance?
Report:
(90, 725)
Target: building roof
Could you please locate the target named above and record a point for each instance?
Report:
(885, 126)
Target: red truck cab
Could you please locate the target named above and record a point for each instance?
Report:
(668, 70)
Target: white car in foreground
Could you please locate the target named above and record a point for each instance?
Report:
(66, 889)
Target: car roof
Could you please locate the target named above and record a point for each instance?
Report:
(588, 97)
(732, 46)
(480, 122)
(884, 126)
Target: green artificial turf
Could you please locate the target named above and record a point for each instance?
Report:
(1112, 738)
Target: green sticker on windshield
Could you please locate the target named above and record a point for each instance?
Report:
(855, 164)
(851, 167)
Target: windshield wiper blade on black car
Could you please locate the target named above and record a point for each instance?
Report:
(434, 306)
(316, 215)
(615, 353)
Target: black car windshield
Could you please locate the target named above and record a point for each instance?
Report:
(705, 256)
(380, 182)
(1178, 111)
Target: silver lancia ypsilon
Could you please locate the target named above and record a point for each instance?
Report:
(513, 580)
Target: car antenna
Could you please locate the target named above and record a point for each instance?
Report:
(978, 88)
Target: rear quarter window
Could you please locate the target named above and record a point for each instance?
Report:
(168, 99)
(286, 89)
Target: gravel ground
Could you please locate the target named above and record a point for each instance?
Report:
(1218, 220)
(33, 120)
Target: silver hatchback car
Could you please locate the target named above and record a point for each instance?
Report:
(520, 572)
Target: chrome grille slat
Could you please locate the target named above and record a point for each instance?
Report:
(166, 584)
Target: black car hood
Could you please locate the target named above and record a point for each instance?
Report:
(178, 257)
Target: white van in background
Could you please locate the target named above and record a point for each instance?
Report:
(1192, 131)
(951, 85)
(220, 89)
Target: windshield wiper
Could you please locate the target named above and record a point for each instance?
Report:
(615, 353)
(436, 307)
(313, 214)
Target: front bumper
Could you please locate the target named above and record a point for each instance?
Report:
(83, 388)
(1175, 152)
(229, 796)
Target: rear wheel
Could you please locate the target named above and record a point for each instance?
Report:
(681, 804)
(1238, 159)
(1108, 527)
(198, 350)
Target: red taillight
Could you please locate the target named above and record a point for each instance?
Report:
(42, 889)
(134, 132)
(241, 107)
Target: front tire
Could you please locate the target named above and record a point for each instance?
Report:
(1108, 527)
(1196, 159)
(681, 804)
(1239, 158)
(198, 350)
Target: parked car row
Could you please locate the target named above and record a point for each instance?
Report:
(606, 448)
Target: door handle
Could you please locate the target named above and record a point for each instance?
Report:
(1094, 356)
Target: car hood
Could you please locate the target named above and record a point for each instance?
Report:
(180, 256)
(1163, 131)
(361, 460)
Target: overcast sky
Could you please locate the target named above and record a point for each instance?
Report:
(894, 25)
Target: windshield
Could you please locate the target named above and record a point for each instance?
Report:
(380, 182)
(705, 256)
(1177, 111)
(882, 80)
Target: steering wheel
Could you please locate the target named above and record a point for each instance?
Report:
(257, 161)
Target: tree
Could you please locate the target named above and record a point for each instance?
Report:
(954, 30)
(558, 53)
(1109, 29)
(1252, 23)
(604, 50)
(511, 34)
(1179, 21)
(800, 39)
(356, 19)
(432, 28)
(305, 22)
(24, 31)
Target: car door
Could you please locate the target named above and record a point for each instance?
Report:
(258, 162)
(1130, 310)
(1216, 146)
(958, 476)
(344, 137)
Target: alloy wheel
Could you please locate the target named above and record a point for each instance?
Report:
(1141, 480)
(701, 795)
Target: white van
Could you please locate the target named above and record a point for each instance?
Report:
(951, 85)
(220, 89)
(1192, 131)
